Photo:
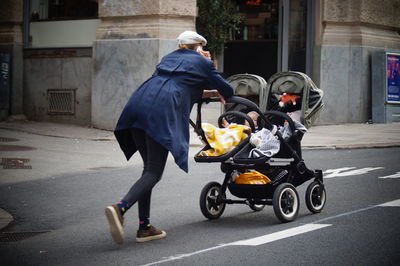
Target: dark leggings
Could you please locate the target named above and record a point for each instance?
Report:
(154, 158)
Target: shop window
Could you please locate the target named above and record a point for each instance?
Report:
(63, 9)
(254, 47)
(260, 20)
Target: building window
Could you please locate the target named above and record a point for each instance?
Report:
(260, 20)
(63, 9)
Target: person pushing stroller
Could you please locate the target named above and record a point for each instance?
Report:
(155, 121)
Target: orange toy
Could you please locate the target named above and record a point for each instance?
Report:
(288, 98)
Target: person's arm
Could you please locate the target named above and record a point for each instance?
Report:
(219, 83)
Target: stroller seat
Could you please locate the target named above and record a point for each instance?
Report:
(242, 157)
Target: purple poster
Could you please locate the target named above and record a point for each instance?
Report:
(393, 77)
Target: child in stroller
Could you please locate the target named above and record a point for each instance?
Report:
(285, 170)
(252, 114)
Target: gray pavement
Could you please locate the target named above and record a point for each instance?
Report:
(54, 149)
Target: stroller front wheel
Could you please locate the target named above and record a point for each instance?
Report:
(286, 202)
(315, 197)
(209, 205)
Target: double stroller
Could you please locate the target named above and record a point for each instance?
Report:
(285, 169)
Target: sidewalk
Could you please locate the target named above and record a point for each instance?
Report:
(84, 148)
(344, 136)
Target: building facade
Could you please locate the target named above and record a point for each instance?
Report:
(78, 61)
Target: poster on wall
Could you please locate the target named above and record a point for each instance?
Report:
(393, 78)
(4, 80)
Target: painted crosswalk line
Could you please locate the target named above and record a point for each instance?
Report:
(396, 175)
(394, 203)
(348, 171)
(279, 235)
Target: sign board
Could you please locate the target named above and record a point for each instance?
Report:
(393, 78)
(5, 71)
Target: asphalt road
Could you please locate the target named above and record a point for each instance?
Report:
(353, 228)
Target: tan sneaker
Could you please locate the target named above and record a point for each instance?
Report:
(115, 221)
(150, 234)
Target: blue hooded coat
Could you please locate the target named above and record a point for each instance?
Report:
(161, 105)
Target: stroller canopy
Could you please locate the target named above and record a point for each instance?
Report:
(299, 84)
(250, 86)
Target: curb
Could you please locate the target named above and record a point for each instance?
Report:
(353, 146)
(58, 136)
(195, 142)
(368, 146)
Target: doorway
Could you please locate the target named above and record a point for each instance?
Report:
(254, 47)
(275, 36)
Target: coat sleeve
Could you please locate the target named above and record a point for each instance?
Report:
(219, 83)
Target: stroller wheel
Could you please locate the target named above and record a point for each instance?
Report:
(256, 207)
(315, 197)
(286, 202)
(209, 205)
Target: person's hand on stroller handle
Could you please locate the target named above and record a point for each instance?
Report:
(213, 94)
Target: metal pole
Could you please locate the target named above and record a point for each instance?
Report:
(310, 36)
(25, 23)
(283, 47)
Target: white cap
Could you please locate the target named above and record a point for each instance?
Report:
(191, 37)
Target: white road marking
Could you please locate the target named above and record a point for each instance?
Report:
(181, 256)
(345, 171)
(338, 170)
(279, 235)
(396, 175)
(250, 242)
(395, 203)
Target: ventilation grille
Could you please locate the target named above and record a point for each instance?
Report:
(61, 101)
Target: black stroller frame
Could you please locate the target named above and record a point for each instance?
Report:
(286, 170)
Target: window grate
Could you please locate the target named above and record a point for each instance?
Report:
(61, 101)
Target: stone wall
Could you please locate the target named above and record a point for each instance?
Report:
(163, 19)
(350, 31)
(132, 38)
(57, 69)
(384, 13)
(119, 67)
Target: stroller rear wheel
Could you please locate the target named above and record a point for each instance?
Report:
(286, 202)
(209, 205)
(315, 197)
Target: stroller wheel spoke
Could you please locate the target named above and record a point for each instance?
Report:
(210, 201)
(316, 198)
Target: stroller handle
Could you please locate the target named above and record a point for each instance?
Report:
(234, 99)
(284, 116)
(252, 106)
(243, 101)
